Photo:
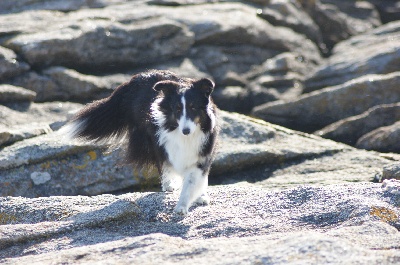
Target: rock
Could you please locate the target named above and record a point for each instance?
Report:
(185, 67)
(60, 83)
(292, 15)
(40, 177)
(11, 134)
(233, 98)
(348, 166)
(235, 39)
(383, 139)
(103, 44)
(391, 172)
(345, 223)
(47, 113)
(313, 111)
(9, 93)
(25, 122)
(45, 88)
(389, 10)
(349, 130)
(9, 65)
(76, 86)
(375, 52)
(245, 143)
(10, 6)
(339, 20)
(230, 33)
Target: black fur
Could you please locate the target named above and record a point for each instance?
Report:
(127, 113)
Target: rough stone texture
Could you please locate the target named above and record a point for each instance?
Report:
(11, 134)
(103, 44)
(340, 20)
(345, 223)
(346, 166)
(383, 139)
(389, 10)
(244, 142)
(76, 86)
(391, 171)
(313, 111)
(288, 197)
(292, 15)
(349, 130)
(9, 65)
(49, 113)
(375, 52)
(20, 121)
(9, 93)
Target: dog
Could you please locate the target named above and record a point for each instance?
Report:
(164, 121)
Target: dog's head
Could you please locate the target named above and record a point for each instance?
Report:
(186, 105)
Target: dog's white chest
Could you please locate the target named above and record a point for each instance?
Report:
(183, 150)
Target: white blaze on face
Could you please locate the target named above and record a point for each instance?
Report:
(186, 125)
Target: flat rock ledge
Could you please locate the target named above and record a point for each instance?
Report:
(41, 165)
(244, 224)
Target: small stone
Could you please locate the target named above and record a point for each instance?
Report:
(392, 186)
(40, 177)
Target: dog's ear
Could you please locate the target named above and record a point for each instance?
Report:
(206, 85)
(166, 86)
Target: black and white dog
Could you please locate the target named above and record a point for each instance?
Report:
(167, 121)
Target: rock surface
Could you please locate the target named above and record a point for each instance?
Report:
(245, 143)
(349, 130)
(316, 110)
(345, 223)
(281, 197)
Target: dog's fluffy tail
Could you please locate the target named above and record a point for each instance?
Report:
(100, 121)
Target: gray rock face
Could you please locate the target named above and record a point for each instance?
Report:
(278, 196)
(391, 171)
(9, 65)
(242, 224)
(375, 52)
(103, 44)
(316, 110)
(245, 143)
(291, 15)
(9, 93)
(383, 139)
(27, 121)
(349, 130)
(340, 20)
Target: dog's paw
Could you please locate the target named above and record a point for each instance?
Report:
(168, 188)
(181, 210)
(203, 200)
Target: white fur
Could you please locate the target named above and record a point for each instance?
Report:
(72, 130)
(183, 156)
(184, 122)
(211, 115)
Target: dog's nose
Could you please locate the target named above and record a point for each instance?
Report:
(186, 131)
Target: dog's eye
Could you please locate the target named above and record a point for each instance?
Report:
(178, 108)
(192, 107)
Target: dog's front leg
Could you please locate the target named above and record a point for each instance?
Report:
(194, 187)
(170, 179)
